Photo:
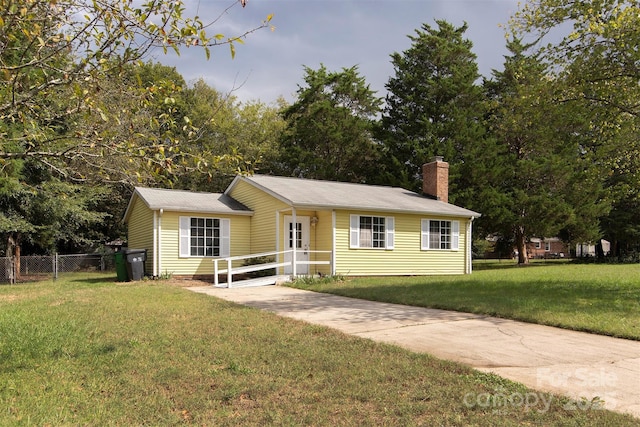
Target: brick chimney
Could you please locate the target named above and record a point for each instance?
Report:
(435, 179)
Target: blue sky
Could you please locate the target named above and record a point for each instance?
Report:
(336, 33)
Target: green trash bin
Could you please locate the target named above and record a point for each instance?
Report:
(121, 267)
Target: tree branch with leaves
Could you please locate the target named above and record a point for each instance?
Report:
(55, 57)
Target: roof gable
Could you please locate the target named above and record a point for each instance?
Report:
(309, 193)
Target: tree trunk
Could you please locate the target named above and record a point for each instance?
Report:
(615, 248)
(521, 245)
(16, 254)
(11, 272)
(13, 251)
(599, 250)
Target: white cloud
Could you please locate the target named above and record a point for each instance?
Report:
(336, 33)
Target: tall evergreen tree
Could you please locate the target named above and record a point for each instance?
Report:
(328, 133)
(544, 179)
(433, 103)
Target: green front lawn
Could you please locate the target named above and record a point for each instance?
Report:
(87, 351)
(603, 299)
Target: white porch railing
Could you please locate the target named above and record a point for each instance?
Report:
(293, 263)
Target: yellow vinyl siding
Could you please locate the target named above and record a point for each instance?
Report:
(172, 263)
(263, 223)
(322, 240)
(140, 230)
(406, 258)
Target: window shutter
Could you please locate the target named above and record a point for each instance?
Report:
(185, 225)
(225, 237)
(424, 234)
(390, 229)
(455, 235)
(354, 231)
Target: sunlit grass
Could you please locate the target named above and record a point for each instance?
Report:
(88, 351)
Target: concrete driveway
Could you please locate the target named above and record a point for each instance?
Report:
(575, 364)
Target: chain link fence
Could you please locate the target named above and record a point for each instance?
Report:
(29, 268)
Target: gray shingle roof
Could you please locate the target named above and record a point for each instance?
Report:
(316, 194)
(189, 201)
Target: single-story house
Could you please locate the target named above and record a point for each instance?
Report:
(303, 226)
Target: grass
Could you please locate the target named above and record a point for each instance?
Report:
(603, 299)
(87, 351)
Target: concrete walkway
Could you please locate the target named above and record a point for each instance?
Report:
(575, 364)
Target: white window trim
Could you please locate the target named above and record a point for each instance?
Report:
(424, 235)
(184, 224)
(354, 232)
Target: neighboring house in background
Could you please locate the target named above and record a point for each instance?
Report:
(537, 248)
(306, 226)
(553, 247)
(549, 247)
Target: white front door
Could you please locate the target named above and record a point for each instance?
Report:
(298, 236)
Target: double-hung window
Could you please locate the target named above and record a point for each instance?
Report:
(440, 234)
(376, 232)
(204, 237)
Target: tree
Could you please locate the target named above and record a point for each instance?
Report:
(59, 61)
(328, 131)
(54, 59)
(597, 58)
(433, 104)
(541, 173)
(599, 54)
(47, 213)
(239, 137)
(622, 226)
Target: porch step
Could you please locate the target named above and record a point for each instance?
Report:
(259, 281)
